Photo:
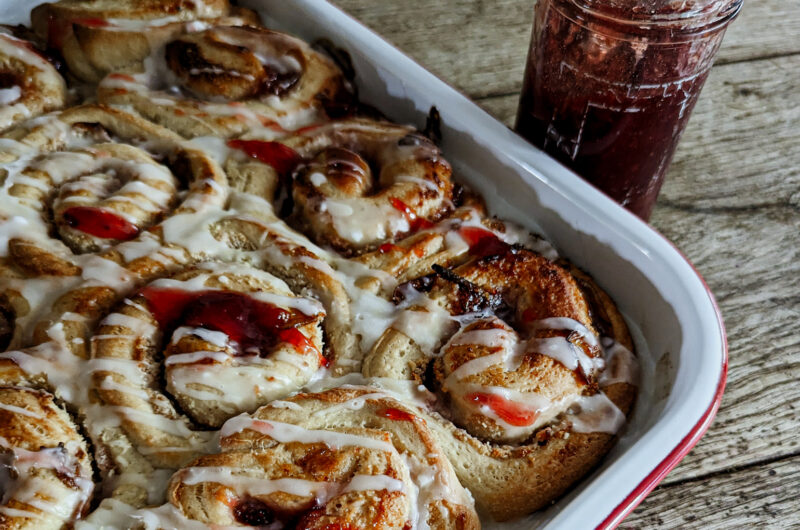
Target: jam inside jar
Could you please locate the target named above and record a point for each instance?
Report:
(609, 86)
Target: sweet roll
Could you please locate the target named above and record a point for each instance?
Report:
(98, 37)
(46, 472)
(518, 364)
(29, 84)
(225, 81)
(345, 458)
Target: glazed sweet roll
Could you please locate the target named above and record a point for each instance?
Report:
(253, 230)
(46, 472)
(225, 328)
(344, 458)
(85, 219)
(225, 81)
(98, 37)
(29, 84)
(518, 363)
(357, 184)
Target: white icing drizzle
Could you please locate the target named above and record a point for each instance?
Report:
(565, 352)
(217, 338)
(62, 369)
(567, 324)
(44, 492)
(239, 481)
(20, 410)
(286, 432)
(10, 95)
(137, 325)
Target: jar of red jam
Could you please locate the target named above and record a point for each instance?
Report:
(609, 86)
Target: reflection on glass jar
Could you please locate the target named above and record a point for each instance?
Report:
(609, 86)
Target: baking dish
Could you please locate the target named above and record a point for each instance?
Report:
(677, 326)
(679, 334)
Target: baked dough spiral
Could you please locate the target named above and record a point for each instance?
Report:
(233, 338)
(99, 37)
(358, 183)
(530, 395)
(345, 458)
(79, 205)
(230, 80)
(29, 84)
(46, 472)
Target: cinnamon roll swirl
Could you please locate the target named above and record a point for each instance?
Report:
(46, 469)
(520, 361)
(98, 37)
(345, 458)
(80, 206)
(357, 184)
(230, 80)
(225, 328)
(29, 84)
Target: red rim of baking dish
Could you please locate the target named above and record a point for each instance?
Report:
(654, 478)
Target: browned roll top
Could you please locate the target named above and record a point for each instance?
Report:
(364, 183)
(236, 63)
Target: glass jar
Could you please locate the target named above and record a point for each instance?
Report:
(609, 86)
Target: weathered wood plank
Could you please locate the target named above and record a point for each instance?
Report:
(762, 496)
(731, 203)
(480, 46)
(751, 261)
(765, 28)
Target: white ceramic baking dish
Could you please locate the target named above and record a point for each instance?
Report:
(678, 330)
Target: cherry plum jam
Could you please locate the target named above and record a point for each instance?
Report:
(610, 84)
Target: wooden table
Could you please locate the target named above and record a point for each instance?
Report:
(731, 203)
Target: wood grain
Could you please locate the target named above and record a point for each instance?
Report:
(751, 261)
(479, 46)
(762, 497)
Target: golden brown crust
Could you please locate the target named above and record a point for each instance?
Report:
(231, 80)
(366, 183)
(96, 38)
(602, 308)
(29, 84)
(47, 461)
(350, 466)
(540, 453)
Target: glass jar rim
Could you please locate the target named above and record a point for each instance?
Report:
(699, 18)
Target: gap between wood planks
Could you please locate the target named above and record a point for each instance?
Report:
(712, 210)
